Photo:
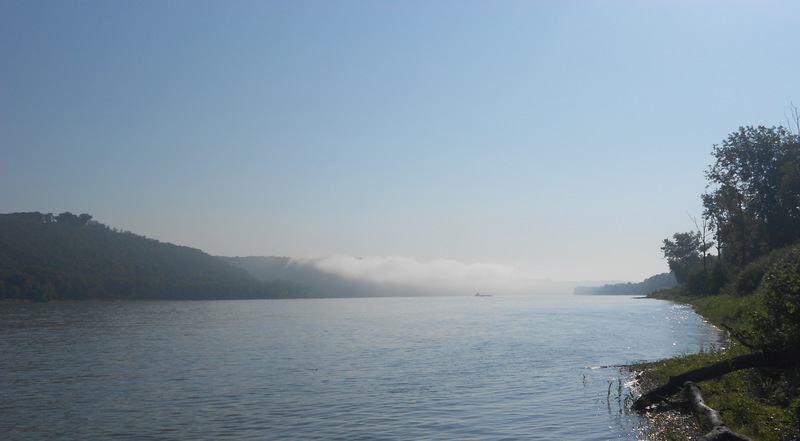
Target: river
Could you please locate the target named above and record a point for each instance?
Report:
(405, 368)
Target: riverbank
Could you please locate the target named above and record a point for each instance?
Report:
(753, 402)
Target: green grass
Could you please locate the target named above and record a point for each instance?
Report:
(724, 308)
(727, 309)
(759, 403)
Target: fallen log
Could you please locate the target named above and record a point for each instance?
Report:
(719, 430)
(747, 361)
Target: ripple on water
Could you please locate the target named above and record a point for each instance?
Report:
(414, 368)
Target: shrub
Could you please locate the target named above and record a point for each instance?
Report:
(707, 281)
(776, 326)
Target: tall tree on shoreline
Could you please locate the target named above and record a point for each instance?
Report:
(682, 254)
(754, 202)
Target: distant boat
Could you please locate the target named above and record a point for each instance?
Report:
(477, 294)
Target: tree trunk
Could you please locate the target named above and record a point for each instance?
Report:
(747, 361)
(719, 430)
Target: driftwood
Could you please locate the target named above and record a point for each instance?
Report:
(661, 393)
(719, 430)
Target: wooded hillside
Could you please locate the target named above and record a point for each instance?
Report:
(66, 256)
(645, 287)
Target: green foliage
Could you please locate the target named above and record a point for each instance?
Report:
(749, 279)
(650, 285)
(753, 208)
(707, 279)
(776, 325)
(71, 257)
(764, 403)
(725, 309)
(682, 254)
(747, 398)
(753, 284)
(745, 411)
(754, 205)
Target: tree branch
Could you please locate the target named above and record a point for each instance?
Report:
(719, 430)
(747, 361)
(739, 337)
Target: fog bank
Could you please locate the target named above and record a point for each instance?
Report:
(440, 276)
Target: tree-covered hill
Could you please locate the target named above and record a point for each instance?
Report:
(71, 257)
(645, 287)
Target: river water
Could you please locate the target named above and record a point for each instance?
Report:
(421, 368)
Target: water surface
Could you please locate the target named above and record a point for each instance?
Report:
(443, 368)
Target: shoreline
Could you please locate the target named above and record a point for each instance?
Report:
(739, 395)
(664, 424)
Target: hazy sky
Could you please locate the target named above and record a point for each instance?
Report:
(563, 139)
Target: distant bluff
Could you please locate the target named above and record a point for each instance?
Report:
(73, 257)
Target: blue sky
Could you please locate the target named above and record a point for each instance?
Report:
(562, 139)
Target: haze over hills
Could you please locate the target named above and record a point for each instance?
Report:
(318, 283)
(348, 276)
(71, 257)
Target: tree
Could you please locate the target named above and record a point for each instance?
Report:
(682, 253)
(705, 243)
(793, 119)
(776, 327)
(754, 203)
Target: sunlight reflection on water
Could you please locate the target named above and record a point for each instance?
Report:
(382, 368)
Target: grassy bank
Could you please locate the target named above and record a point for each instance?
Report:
(759, 403)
